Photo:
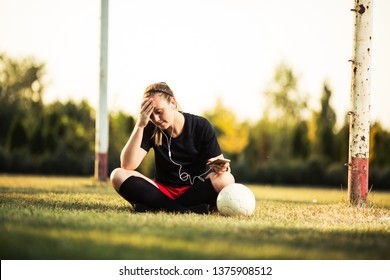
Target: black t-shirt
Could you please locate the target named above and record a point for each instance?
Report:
(192, 148)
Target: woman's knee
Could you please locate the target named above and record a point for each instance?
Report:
(118, 176)
(221, 180)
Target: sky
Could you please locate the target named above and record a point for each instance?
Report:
(203, 49)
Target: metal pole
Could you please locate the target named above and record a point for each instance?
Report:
(101, 142)
(359, 130)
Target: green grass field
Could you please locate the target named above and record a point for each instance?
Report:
(78, 218)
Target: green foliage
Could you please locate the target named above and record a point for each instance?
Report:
(300, 141)
(325, 123)
(287, 103)
(120, 128)
(379, 146)
(341, 146)
(260, 144)
(21, 89)
(232, 136)
(55, 138)
(283, 117)
(284, 146)
(68, 133)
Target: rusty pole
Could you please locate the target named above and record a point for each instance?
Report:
(359, 130)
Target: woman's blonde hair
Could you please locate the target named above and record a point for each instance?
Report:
(165, 91)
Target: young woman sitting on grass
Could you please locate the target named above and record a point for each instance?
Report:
(185, 145)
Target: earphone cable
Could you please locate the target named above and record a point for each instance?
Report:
(184, 176)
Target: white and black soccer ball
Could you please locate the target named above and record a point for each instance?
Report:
(236, 200)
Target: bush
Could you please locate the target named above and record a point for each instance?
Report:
(380, 178)
(336, 174)
(314, 171)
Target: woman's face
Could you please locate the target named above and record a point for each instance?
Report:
(163, 113)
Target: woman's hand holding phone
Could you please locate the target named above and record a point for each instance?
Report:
(219, 165)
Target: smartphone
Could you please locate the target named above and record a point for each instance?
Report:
(219, 161)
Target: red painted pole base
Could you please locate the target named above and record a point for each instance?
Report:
(101, 166)
(358, 181)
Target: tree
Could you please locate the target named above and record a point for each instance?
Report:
(232, 135)
(342, 142)
(300, 141)
(285, 109)
(325, 123)
(379, 146)
(68, 136)
(286, 102)
(21, 89)
(259, 148)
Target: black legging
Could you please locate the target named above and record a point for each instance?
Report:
(137, 190)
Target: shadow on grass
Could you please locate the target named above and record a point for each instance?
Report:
(33, 200)
(112, 236)
(60, 190)
(261, 243)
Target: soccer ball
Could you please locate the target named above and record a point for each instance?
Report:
(236, 200)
